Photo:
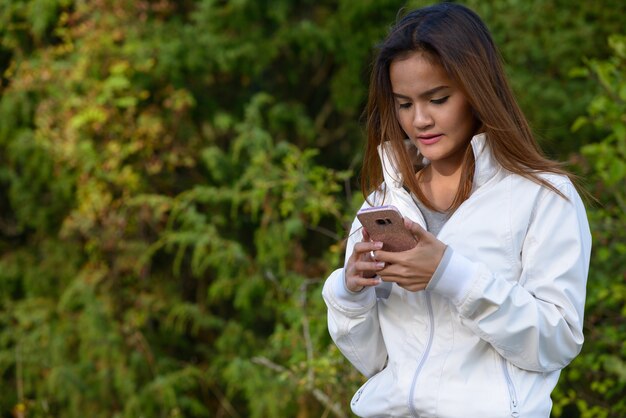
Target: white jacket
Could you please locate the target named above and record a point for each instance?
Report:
(489, 336)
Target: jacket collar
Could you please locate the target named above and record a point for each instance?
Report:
(486, 165)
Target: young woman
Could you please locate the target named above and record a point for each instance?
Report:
(480, 317)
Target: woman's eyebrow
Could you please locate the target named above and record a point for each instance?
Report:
(427, 93)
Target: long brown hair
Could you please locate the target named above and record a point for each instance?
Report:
(457, 39)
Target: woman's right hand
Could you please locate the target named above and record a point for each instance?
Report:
(361, 269)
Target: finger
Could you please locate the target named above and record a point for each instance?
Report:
(368, 267)
(389, 257)
(357, 283)
(366, 246)
(415, 228)
(408, 283)
(396, 273)
(366, 282)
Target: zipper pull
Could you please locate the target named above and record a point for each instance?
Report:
(514, 408)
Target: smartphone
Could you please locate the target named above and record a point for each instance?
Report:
(385, 224)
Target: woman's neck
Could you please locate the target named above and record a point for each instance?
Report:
(440, 187)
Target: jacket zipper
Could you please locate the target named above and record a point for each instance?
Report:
(512, 393)
(431, 320)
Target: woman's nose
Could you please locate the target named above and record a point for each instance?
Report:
(422, 118)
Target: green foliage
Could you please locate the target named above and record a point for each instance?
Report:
(176, 180)
(541, 41)
(595, 383)
(166, 221)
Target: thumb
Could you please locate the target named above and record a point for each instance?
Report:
(415, 228)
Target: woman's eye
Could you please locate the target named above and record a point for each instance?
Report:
(439, 101)
(404, 105)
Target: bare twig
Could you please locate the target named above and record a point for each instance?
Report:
(307, 334)
(20, 408)
(317, 394)
(224, 402)
(322, 116)
(321, 397)
(324, 231)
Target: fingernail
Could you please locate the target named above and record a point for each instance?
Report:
(378, 245)
(380, 265)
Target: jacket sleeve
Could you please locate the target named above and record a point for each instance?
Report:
(353, 318)
(535, 322)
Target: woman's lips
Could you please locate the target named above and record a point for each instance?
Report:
(429, 139)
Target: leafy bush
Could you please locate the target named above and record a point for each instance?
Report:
(595, 383)
(176, 179)
(167, 221)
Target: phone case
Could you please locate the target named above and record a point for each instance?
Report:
(385, 224)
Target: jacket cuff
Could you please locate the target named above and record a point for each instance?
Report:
(453, 277)
(348, 300)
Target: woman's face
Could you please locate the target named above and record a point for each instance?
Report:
(431, 110)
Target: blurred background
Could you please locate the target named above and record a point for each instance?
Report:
(177, 179)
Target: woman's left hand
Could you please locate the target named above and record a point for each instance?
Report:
(412, 269)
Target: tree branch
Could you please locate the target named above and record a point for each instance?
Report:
(321, 397)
